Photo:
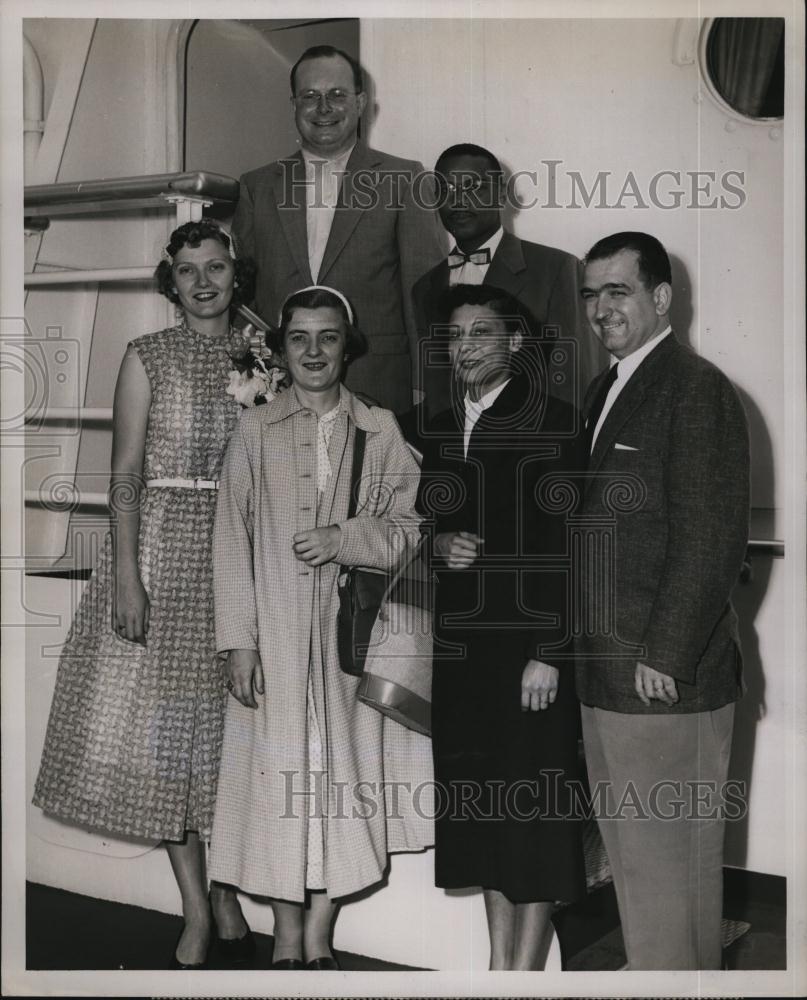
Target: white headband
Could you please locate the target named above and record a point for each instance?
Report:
(318, 288)
(165, 255)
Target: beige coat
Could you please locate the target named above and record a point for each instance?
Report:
(267, 600)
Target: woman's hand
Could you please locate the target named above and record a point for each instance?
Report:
(244, 676)
(459, 548)
(318, 546)
(130, 616)
(539, 686)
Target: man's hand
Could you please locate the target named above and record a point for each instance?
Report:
(317, 546)
(459, 548)
(244, 676)
(651, 684)
(539, 686)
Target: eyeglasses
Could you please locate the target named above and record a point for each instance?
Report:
(467, 184)
(336, 98)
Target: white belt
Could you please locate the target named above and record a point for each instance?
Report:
(185, 484)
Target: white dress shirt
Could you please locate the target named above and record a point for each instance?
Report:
(323, 179)
(474, 274)
(627, 366)
(475, 408)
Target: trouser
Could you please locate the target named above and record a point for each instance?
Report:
(657, 783)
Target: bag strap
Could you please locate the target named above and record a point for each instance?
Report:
(359, 440)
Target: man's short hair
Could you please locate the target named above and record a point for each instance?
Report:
(653, 261)
(328, 52)
(470, 149)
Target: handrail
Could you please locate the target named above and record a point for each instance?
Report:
(72, 499)
(756, 546)
(73, 414)
(76, 276)
(766, 547)
(75, 195)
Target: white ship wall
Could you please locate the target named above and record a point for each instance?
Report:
(531, 91)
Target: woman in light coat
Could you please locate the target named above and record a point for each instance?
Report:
(315, 788)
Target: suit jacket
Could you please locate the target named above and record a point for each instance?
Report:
(667, 497)
(494, 492)
(547, 281)
(380, 242)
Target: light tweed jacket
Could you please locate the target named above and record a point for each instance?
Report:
(267, 600)
(384, 236)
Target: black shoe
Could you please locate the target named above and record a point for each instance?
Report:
(289, 964)
(327, 963)
(233, 951)
(237, 951)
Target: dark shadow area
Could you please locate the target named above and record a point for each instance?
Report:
(681, 311)
(65, 930)
(748, 597)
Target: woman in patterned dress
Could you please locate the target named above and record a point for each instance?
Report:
(304, 813)
(134, 734)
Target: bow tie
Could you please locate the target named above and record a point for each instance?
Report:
(457, 258)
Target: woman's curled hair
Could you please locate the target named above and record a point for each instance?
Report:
(191, 234)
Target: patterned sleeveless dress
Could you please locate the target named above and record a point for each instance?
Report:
(134, 733)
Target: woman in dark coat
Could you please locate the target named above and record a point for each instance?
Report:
(504, 713)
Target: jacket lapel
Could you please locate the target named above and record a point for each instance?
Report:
(347, 214)
(507, 269)
(438, 279)
(631, 397)
(500, 417)
(289, 190)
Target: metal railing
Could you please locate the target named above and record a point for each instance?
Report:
(78, 197)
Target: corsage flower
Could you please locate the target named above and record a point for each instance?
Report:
(255, 379)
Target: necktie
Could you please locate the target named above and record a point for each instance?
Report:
(598, 404)
(458, 259)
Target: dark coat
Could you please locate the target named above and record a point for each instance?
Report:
(669, 483)
(547, 281)
(381, 241)
(509, 607)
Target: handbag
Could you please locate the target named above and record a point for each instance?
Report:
(397, 678)
(384, 629)
(360, 591)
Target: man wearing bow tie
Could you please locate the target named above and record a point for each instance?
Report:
(341, 214)
(471, 197)
(665, 515)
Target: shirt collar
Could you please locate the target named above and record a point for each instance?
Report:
(332, 163)
(628, 365)
(286, 404)
(486, 401)
(492, 244)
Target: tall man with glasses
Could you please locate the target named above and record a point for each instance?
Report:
(342, 214)
(471, 197)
